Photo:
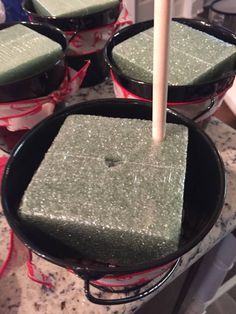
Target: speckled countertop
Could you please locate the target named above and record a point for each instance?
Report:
(20, 295)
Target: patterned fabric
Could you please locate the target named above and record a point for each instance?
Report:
(23, 115)
(93, 40)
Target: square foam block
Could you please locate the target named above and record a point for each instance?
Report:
(195, 56)
(24, 52)
(106, 192)
(65, 8)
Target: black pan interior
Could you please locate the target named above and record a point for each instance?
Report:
(203, 196)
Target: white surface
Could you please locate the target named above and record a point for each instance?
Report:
(210, 276)
(186, 8)
(228, 285)
(131, 6)
(230, 98)
(208, 2)
(142, 10)
(225, 305)
(225, 6)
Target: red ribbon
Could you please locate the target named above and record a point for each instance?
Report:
(35, 274)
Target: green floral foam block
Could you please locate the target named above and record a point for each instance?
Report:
(195, 56)
(106, 192)
(65, 8)
(24, 52)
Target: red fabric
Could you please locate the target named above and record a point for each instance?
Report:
(3, 162)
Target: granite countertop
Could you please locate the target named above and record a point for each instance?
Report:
(20, 295)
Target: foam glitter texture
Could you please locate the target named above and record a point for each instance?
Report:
(105, 191)
(24, 52)
(65, 8)
(195, 57)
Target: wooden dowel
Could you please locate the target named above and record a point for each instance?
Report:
(162, 19)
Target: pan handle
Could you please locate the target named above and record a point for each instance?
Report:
(76, 33)
(210, 106)
(141, 295)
